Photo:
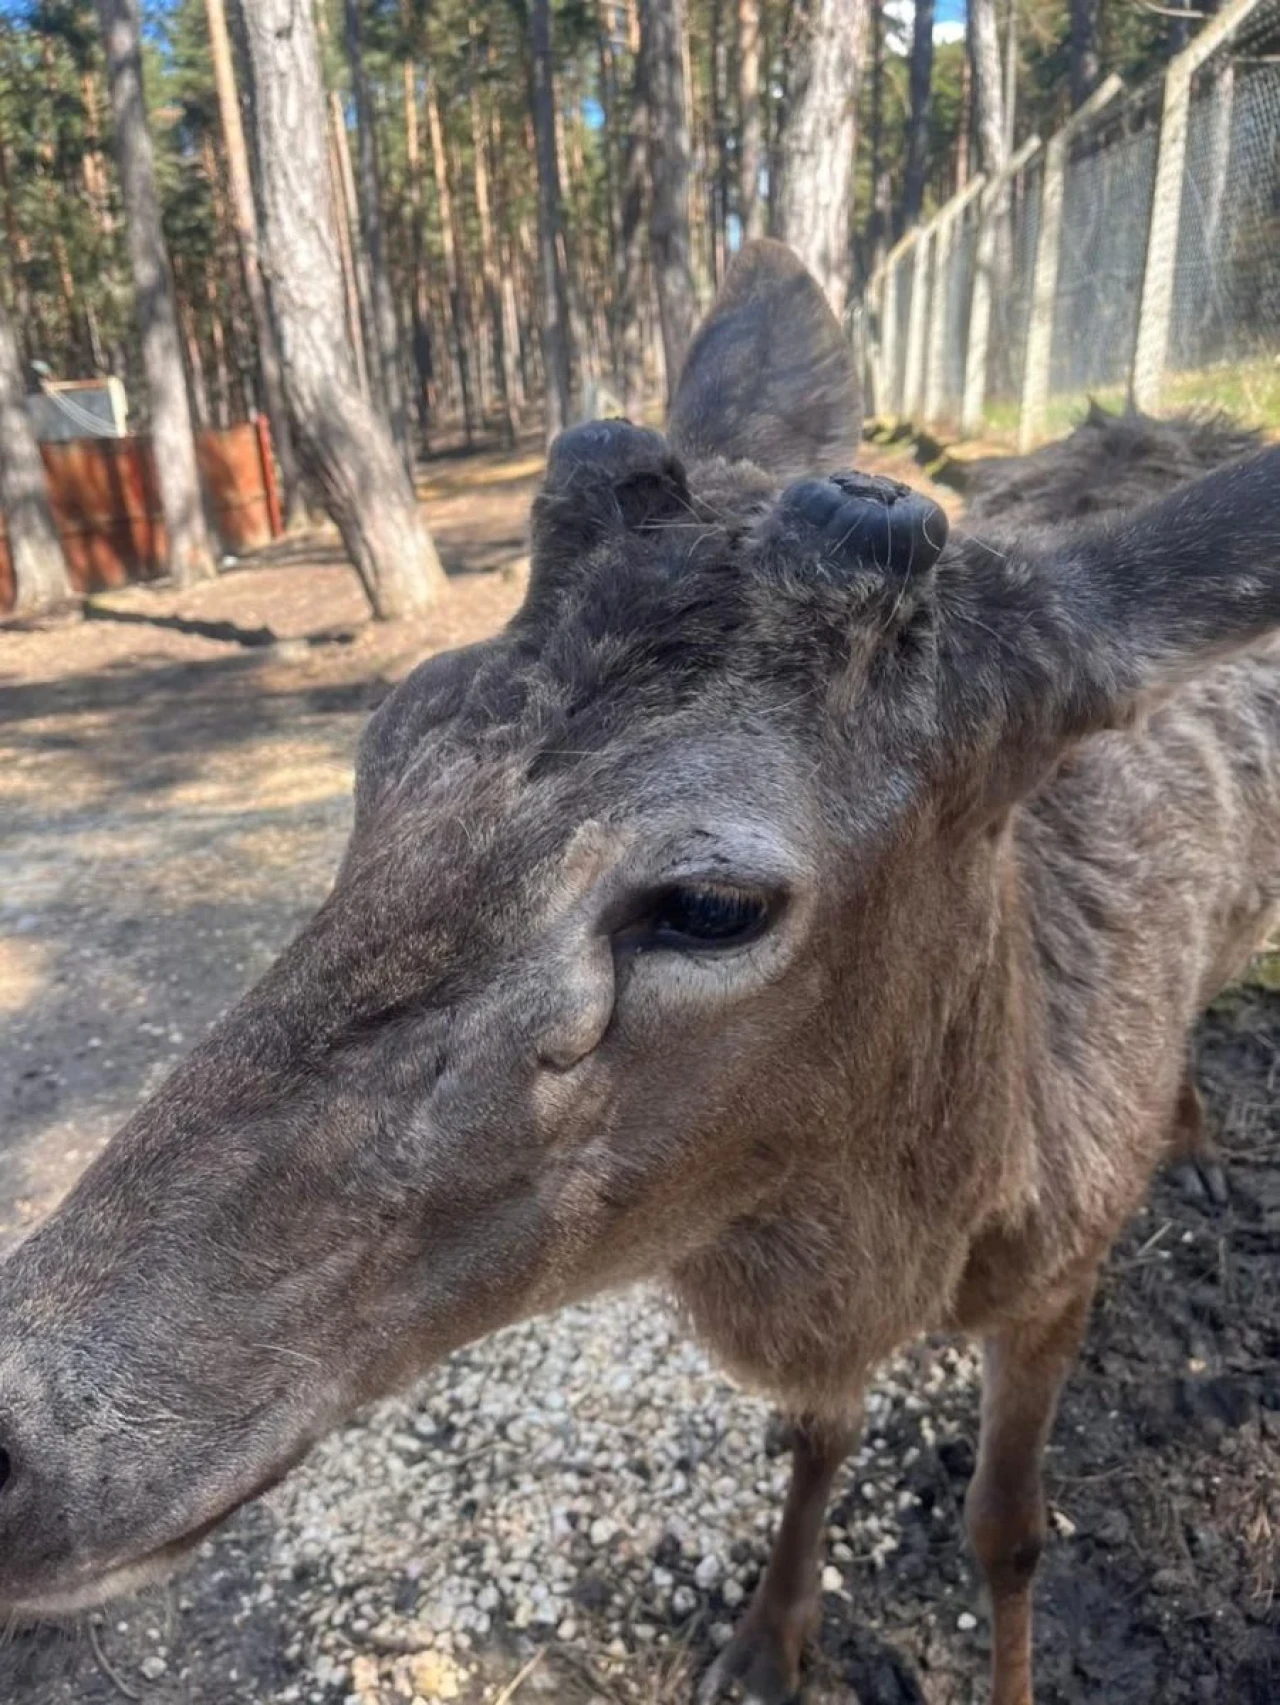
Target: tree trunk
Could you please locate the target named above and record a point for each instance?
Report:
(39, 568)
(55, 187)
(347, 261)
(1085, 67)
(523, 250)
(420, 299)
(557, 358)
(988, 94)
(818, 142)
(220, 368)
(719, 131)
(218, 276)
(698, 178)
(177, 473)
(631, 275)
(92, 163)
(918, 115)
(344, 443)
(386, 332)
(359, 253)
(503, 357)
(777, 41)
(662, 47)
(195, 361)
(609, 131)
(750, 123)
(573, 263)
(245, 217)
(512, 336)
(878, 222)
(19, 251)
(459, 310)
(993, 146)
(356, 257)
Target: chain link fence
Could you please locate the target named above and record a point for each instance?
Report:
(955, 269)
(1106, 214)
(1226, 307)
(1136, 254)
(1011, 308)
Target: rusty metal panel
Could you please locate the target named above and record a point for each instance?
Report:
(106, 504)
(231, 467)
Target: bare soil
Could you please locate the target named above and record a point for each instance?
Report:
(174, 782)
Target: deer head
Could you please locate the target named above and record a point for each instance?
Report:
(666, 944)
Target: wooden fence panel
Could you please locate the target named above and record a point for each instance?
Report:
(106, 504)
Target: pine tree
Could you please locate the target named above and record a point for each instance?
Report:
(246, 223)
(918, 120)
(385, 338)
(39, 567)
(662, 43)
(190, 555)
(556, 353)
(814, 204)
(346, 445)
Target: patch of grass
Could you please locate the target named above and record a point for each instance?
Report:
(1000, 419)
(1247, 390)
(1264, 971)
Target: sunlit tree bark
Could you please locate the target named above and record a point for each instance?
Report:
(345, 444)
(190, 553)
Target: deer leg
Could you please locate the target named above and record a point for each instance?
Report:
(764, 1654)
(1024, 1368)
(1196, 1167)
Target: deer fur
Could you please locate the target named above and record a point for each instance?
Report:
(786, 907)
(1108, 463)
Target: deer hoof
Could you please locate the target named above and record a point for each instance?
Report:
(760, 1661)
(1203, 1182)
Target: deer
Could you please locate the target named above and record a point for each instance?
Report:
(793, 905)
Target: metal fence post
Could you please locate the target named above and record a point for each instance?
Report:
(889, 403)
(979, 335)
(913, 369)
(1156, 312)
(887, 332)
(935, 353)
(876, 296)
(1044, 286)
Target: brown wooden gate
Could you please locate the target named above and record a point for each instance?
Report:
(106, 504)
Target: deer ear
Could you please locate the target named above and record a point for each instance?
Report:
(769, 377)
(1079, 631)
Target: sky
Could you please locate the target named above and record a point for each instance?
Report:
(948, 20)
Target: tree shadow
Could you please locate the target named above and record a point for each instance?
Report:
(167, 827)
(229, 632)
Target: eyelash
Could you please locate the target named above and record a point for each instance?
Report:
(699, 917)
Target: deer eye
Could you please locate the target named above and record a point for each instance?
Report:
(699, 916)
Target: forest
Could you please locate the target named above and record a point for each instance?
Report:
(392, 224)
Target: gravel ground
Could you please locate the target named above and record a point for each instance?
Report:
(611, 1485)
(577, 1508)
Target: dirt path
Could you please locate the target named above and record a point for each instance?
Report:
(174, 793)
